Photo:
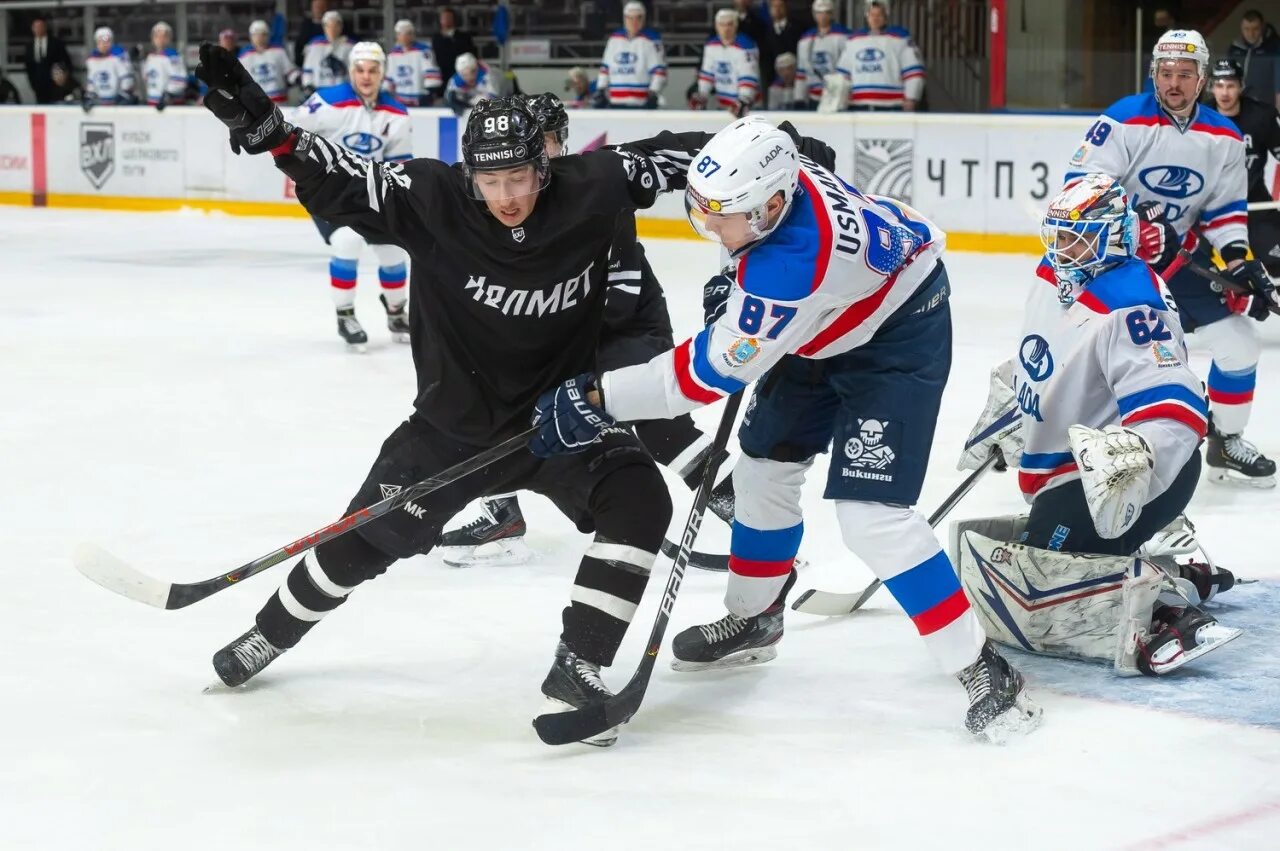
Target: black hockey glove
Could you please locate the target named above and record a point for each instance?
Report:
(256, 124)
(1157, 240)
(741, 108)
(565, 420)
(335, 67)
(88, 102)
(162, 101)
(600, 99)
(715, 297)
(1252, 275)
(651, 100)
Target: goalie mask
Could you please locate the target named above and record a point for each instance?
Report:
(1088, 227)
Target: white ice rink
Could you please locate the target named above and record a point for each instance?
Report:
(173, 389)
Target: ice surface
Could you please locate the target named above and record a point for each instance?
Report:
(173, 388)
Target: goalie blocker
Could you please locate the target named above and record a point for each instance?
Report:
(1121, 609)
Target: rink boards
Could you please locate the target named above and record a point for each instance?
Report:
(983, 178)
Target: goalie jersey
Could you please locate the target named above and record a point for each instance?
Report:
(382, 133)
(1115, 356)
(1197, 172)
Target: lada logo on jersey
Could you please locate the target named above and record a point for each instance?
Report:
(510, 301)
(1172, 181)
(869, 54)
(97, 152)
(361, 143)
(1035, 357)
(626, 57)
(722, 69)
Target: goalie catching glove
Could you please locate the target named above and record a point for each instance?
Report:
(1115, 469)
(999, 426)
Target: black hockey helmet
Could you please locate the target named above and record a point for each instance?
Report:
(1227, 69)
(552, 116)
(503, 133)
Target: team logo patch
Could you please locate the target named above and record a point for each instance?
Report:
(1164, 357)
(870, 453)
(741, 352)
(705, 203)
(97, 152)
(1172, 181)
(1035, 357)
(1081, 154)
(517, 234)
(389, 491)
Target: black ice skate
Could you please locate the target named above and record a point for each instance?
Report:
(998, 706)
(496, 537)
(1178, 636)
(573, 683)
(244, 658)
(350, 329)
(397, 319)
(732, 642)
(1233, 460)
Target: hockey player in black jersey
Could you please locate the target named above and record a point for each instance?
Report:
(1259, 123)
(517, 248)
(637, 326)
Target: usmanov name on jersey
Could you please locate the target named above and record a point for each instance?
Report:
(820, 284)
(1196, 171)
(1116, 356)
(381, 132)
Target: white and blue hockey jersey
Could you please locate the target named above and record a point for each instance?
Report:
(631, 68)
(165, 73)
(270, 68)
(109, 76)
(1116, 356)
(324, 63)
(412, 73)
(731, 71)
(469, 93)
(883, 68)
(817, 55)
(1197, 172)
(821, 283)
(382, 133)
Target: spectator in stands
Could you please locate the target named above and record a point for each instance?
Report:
(164, 71)
(46, 50)
(781, 35)
(63, 88)
(109, 75)
(8, 91)
(782, 91)
(578, 89)
(730, 68)
(818, 53)
(1257, 51)
(882, 65)
(750, 22)
(449, 42)
(325, 59)
(310, 28)
(633, 69)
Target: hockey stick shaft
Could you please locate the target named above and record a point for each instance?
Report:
(1186, 258)
(115, 576)
(834, 604)
(561, 728)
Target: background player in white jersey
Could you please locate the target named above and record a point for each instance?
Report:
(882, 64)
(412, 72)
(268, 64)
(1183, 166)
(730, 70)
(633, 69)
(367, 121)
(469, 84)
(164, 70)
(841, 307)
(818, 54)
(108, 73)
(324, 59)
(1104, 418)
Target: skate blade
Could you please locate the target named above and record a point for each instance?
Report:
(601, 740)
(741, 659)
(493, 554)
(1230, 478)
(1213, 636)
(1018, 720)
(399, 337)
(357, 348)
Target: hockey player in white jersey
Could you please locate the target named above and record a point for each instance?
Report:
(370, 122)
(412, 73)
(1183, 166)
(1103, 417)
(633, 69)
(882, 64)
(469, 84)
(841, 308)
(108, 74)
(164, 70)
(730, 71)
(324, 59)
(268, 64)
(818, 54)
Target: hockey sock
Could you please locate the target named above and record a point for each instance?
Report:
(393, 278)
(1231, 395)
(342, 282)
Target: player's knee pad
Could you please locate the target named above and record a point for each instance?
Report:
(346, 244)
(889, 539)
(1233, 342)
(390, 255)
(350, 559)
(767, 493)
(631, 504)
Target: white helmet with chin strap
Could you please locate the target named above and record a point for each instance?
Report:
(1182, 44)
(739, 170)
(367, 51)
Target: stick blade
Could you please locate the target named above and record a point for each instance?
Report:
(574, 725)
(118, 576)
(827, 604)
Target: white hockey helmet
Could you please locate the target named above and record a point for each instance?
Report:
(161, 26)
(259, 28)
(739, 170)
(634, 7)
(331, 16)
(823, 6)
(466, 63)
(103, 34)
(1088, 225)
(1181, 44)
(367, 51)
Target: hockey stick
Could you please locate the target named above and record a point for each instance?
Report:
(1219, 281)
(116, 575)
(561, 728)
(715, 562)
(831, 604)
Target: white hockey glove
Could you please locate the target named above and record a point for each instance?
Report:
(999, 426)
(1115, 469)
